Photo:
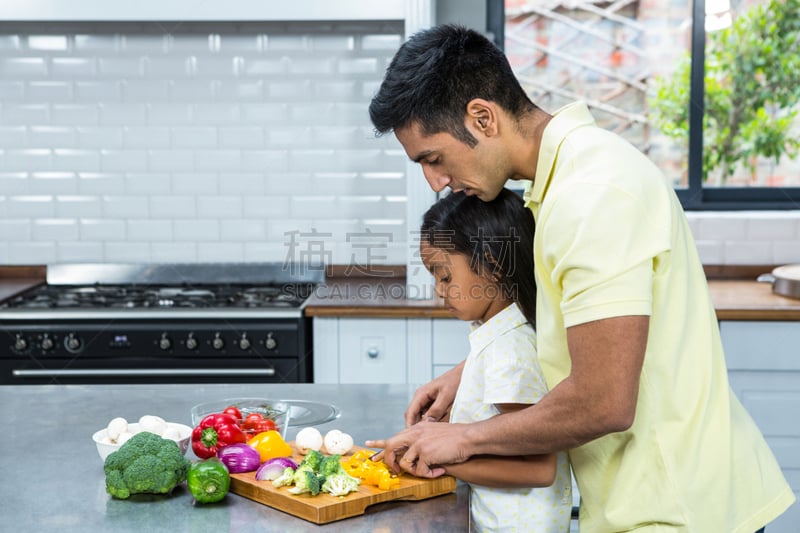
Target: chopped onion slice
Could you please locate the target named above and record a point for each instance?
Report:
(274, 468)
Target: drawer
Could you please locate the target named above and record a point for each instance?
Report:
(372, 351)
(761, 345)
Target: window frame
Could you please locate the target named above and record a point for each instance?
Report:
(694, 197)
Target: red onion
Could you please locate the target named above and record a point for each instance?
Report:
(239, 458)
(274, 468)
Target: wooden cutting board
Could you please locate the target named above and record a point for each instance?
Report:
(324, 508)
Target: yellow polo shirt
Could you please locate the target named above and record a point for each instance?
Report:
(612, 240)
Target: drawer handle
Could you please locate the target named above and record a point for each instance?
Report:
(373, 353)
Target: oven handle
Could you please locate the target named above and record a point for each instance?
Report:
(144, 372)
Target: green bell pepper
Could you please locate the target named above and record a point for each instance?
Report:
(208, 480)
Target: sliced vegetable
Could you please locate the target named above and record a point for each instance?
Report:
(338, 442)
(273, 468)
(308, 439)
(208, 481)
(270, 444)
(215, 431)
(239, 458)
(370, 472)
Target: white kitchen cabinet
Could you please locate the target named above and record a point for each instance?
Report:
(763, 361)
(387, 350)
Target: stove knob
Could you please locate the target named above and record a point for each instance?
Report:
(217, 343)
(20, 344)
(72, 343)
(270, 343)
(244, 342)
(165, 343)
(191, 342)
(47, 343)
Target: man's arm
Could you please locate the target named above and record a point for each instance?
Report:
(598, 397)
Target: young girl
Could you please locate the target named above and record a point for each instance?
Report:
(481, 256)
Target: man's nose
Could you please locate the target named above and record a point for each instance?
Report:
(436, 181)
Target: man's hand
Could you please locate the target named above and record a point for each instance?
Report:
(432, 401)
(423, 447)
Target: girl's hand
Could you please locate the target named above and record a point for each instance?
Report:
(432, 401)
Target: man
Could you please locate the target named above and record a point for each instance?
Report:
(627, 335)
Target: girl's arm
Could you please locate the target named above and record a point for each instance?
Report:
(507, 472)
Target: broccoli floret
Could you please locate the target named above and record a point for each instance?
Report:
(330, 465)
(340, 484)
(305, 481)
(286, 478)
(146, 463)
(312, 459)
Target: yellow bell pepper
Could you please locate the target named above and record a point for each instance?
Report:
(269, 445)
(371, 472)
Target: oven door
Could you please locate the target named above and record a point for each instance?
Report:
(144, 351)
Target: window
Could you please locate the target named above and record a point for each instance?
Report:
(708, 89)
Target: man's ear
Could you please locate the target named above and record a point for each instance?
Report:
(482, 116)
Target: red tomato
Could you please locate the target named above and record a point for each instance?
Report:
(233, 411)
(256, 423)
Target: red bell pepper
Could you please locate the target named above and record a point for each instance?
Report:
(215, 431)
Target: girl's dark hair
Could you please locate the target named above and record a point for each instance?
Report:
(497, 236)
(435, 74)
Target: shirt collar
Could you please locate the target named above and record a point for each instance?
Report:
(484, 333)
(565, 120)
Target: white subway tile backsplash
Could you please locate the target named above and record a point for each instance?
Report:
(147, 183)
(28, 160)
(171, 160)
(266, 114)
(97, 43)
(48, 42)
(46, 183)
(124, 160)
(239, 90)
(774, 227)
(232, 43)
(50, 91)
(173, 207)
(76, 160)
(13, 137)
(173, 252)
(264, 161)
(14, 183)
(193, 90)
(199, 230)
(244, 184)
(221, 252)
(10, 43)
(241, 137)
(215, 114)
(151, 230)
(195, 183)
(385, 43)
(92, 92)
(30, 207)
(786, 251)
(23, 67)
(146, 137)
(285, 43)
(127, 114)
(56, 229)
(52, 137)
(263, 252)
(12, 91)
(15, 229)
(746, 252)
(125, 252)
(245, 230)
(266, 207)
(73, 67)
(76, 115)
(32, 253)
(145, 90)
(97, 138)
(100, 183)
(217, 160)
(24, 114)
(170, 114)
(329, 43)
(219, 207)
(123, 207)
(360, 66)
(79, 252)
(194, 137)
(101, 230)
(122, 67)
(78, 206)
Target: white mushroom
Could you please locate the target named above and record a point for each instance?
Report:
(171, 433)
(308, 439)
(153, 424)
(116, 427)
(338, 442)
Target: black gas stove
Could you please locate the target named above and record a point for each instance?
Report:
(176, 323)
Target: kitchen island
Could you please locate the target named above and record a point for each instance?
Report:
(52, 475)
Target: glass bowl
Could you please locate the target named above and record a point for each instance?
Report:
(275, 410)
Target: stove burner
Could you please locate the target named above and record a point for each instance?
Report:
(159, 297)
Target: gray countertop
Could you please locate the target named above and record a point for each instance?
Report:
(52, 475)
